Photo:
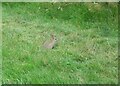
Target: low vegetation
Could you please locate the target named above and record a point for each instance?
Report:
(86, 50)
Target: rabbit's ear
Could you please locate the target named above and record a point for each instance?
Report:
(52, 35)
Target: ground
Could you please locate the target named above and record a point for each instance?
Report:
(87, 43)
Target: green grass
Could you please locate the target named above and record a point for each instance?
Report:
(86, 50)
(1, 44)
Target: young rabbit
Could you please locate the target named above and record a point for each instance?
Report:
(51, 43)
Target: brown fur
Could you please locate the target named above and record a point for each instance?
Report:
(51, 43)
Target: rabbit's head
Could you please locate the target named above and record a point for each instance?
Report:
(53, 37)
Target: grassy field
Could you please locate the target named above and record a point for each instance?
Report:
(86, 50)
